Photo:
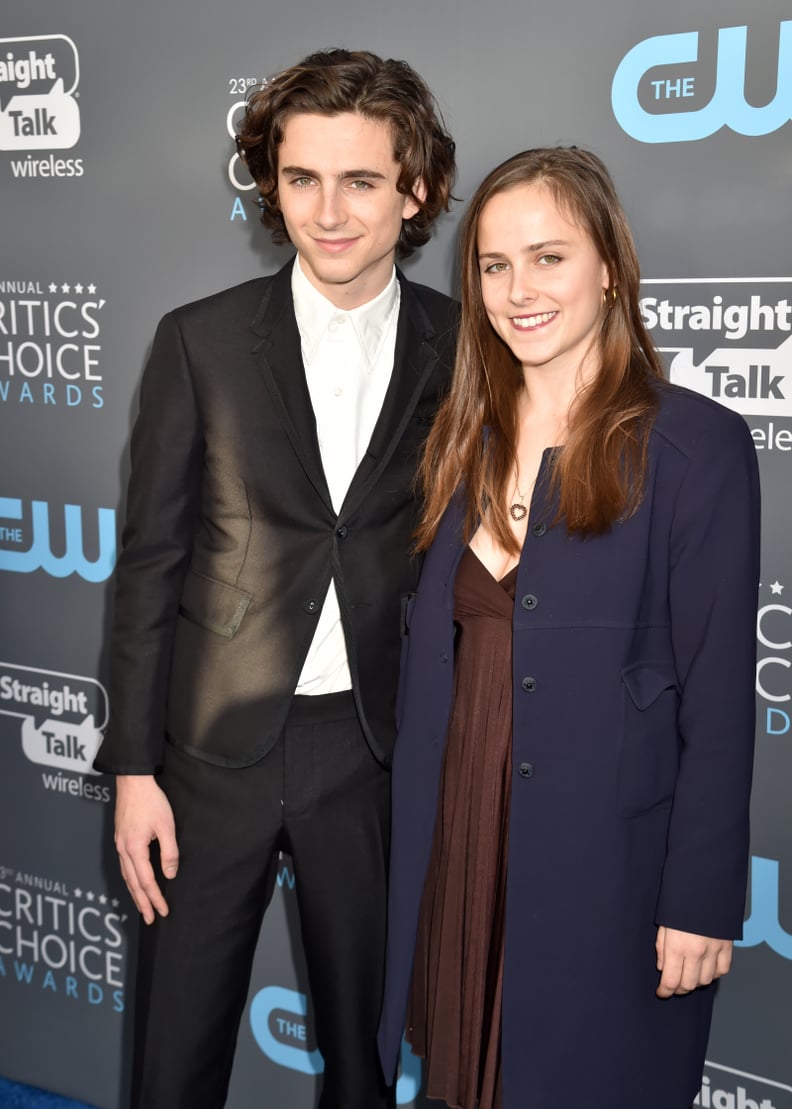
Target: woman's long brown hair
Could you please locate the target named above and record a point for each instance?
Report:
(600, 474)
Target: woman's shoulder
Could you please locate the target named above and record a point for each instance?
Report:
(689, 421)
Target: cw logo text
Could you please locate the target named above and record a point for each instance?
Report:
(279, 1027)
(675, 120)
(763, 925)
(33, 538)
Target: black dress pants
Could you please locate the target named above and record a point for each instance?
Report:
(321, 796)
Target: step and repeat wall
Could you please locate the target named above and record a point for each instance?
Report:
(121, 198)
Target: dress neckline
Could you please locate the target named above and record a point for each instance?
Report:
(500, 581)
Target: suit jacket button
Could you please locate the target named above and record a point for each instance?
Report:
(342, 532)
(526, 770)
(529, 684)
(539, 529)
(311, 607)
(529, 601)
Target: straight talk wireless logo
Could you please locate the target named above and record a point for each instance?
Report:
(730, 339)
(62, 718)
(39, 108)
(726, 1088)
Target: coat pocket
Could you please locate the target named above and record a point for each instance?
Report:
(649, 757)
(213, 605)
(407, 603)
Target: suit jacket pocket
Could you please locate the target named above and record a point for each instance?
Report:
(649, 757)
(213, 605)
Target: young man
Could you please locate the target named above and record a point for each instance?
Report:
(266, 552)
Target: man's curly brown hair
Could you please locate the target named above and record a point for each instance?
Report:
(335, 81)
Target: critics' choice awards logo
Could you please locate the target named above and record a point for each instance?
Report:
(774, 698)
(50, 353)
(62, 719)
(774, 658)
(730, 339)
(670, 88)
(37, 537)
(38, 103)
(238, 176)
(61, 940)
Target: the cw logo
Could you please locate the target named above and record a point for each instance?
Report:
(727, 108)
(39, 555)
(277, 1020)
(763, 925)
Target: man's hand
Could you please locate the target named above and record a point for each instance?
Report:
(686, 961)
(143, 814)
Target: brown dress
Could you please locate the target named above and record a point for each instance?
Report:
(455, 1005)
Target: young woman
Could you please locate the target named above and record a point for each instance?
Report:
(571, 777)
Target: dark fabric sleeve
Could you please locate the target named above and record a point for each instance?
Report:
(714, 558)
(162, 508)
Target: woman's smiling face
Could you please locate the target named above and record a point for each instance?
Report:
(542, 280)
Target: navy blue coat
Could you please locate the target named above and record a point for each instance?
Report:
(632, 757)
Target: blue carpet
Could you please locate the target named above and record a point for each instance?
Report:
(15, 1096)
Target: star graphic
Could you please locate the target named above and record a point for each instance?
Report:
(53, 287)
(64, 288)
(78, 288)
(115, 902)
(92, 289)
(90, 896)
(78, 893)
(777, 588)
(102, 899)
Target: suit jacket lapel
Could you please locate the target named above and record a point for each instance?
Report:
(414, 360)
(279, 356)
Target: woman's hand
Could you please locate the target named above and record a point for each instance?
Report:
(686, 961)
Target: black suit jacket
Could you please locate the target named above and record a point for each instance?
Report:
(231, 539)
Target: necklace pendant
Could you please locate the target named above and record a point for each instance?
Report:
(518, 511)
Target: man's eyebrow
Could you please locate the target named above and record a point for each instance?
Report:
(345, 175)
(351, 174)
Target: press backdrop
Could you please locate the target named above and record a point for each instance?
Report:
(121, 198)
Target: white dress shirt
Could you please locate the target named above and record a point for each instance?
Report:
(348, 360)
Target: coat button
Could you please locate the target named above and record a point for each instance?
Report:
(529, 601)
(529, 684)
(311, 607)
(526, 770)
(342, 532)
(539, 529)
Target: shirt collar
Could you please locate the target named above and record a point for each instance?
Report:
(315, 313)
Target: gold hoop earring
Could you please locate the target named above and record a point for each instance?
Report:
(608, 301)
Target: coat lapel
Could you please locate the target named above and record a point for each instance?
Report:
(279, 357)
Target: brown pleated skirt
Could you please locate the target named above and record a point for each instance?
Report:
(454, 1013)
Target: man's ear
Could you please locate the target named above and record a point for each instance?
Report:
(418, 190)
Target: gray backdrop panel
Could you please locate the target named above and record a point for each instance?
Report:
(119, 202)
